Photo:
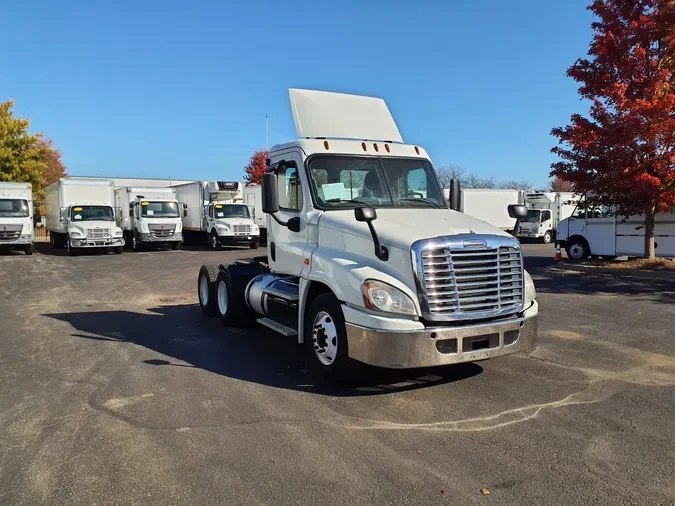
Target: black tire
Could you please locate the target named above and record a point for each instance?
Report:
(213, 241)
(255, 244)
(577, 250)
(206, 282)
(324, 311)
(29, 250)
(135, 244)
(71, 251)
(175, 246)
(232, 284)
(118, 250)
(548, 237)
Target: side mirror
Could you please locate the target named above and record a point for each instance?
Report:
(455, 195)
(184, 213)
(366, 214)
(270, 195)
(517, 211)
(184, 206)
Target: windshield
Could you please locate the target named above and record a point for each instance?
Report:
(151, 209)
(348, 181)
(13, 208)
(92, 213)
(532, 216)
(231, 211)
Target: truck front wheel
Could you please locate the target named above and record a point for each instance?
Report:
(548, 237)
(577, 250)
(71, 250)
(215, 245)
(255, 244)
(326, 336)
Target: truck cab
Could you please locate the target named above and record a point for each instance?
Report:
(230, 223)
(365, 261)
(16, 217)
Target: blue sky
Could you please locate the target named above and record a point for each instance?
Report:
(180, 89)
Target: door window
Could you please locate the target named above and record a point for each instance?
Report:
(545, 215)
(290, 189)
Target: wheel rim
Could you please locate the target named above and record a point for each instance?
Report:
(324, 337)
(203, 290)
(214, 242)
(223, 298)
(68, 245)
(576, 251)
(133, 242)
(547, 238)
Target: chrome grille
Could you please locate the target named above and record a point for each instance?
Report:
(10, 232)
(98, 233)
(462, 283)
(162, 231)
(241, 229)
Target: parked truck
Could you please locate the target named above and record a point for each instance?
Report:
(149, 216)
(215, 212)
(545, 210)
(365, 261)
(80, 215)
(489, 205)
(16, 214)
(599, 230)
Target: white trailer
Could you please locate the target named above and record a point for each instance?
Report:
(149, 216)
(16, 214)
(545, 210)
(489, 205)
(253, 200)
(600, 230)
(80, 214)
(215, 211)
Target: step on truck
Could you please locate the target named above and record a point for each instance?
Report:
(545, 210)
(80, 215)
(149, 217)
(216, 213)
(16, 215)
(365, 261)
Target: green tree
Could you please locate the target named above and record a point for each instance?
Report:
(21, 153)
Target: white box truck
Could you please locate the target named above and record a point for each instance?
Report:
(16, 215)
(597, 230)
(545, 210)
(215, 212)
(80, 215)
(490, 205)
(149, 216)
(364, 266)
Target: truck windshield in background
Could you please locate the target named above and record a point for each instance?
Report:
(231, 211)
(151, 209)
(13, 208)
(348, 181)
(92, 213)
(532, 216)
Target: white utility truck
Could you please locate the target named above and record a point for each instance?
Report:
(365, 261)
(80, 215)
(215, 212)
(490, 205)
(597, 230)
(544, 212)
(149, 216)
(16, 214)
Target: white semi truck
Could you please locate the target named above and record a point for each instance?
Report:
(545, 210)
(365, 261)
(149, 216)
(80, 215)
(215, 212)
(16, 214)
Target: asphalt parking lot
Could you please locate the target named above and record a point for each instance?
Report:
(115, 389)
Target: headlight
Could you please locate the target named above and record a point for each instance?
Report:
(75, 233)
(223, 228)
(383, 297)
(118, 233)
(530, 292)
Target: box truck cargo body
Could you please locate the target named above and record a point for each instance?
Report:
(16, 213)
(489, 205)
(80, 215)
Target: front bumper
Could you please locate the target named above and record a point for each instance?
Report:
(428, 347)
(22, 241)
(176, 237)
(108, 242)
(229, 240)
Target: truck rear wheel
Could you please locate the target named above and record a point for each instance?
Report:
(230, 297)
(206, 282)
(326, 336)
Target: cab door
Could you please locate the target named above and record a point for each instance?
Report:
(601, 230)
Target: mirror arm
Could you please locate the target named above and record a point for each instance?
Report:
(276, 218)
(380, 251)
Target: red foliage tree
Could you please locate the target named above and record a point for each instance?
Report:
(560, 185)
(624, 154)
(256, 167)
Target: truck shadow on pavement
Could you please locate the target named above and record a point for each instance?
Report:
(186, 338)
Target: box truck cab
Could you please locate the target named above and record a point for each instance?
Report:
(365, 261)
(80, 215)
(149, 216)
(545, 210)
(599, 230)
(16, 214)
(215, 212)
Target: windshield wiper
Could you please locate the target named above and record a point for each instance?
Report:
(421, 199)
(345, 200)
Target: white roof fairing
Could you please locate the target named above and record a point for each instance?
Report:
(342, 116)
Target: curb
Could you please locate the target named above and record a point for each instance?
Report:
(631, 273)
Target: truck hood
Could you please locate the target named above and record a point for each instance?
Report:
(88, 225)
(400, 228)
(235, 221)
